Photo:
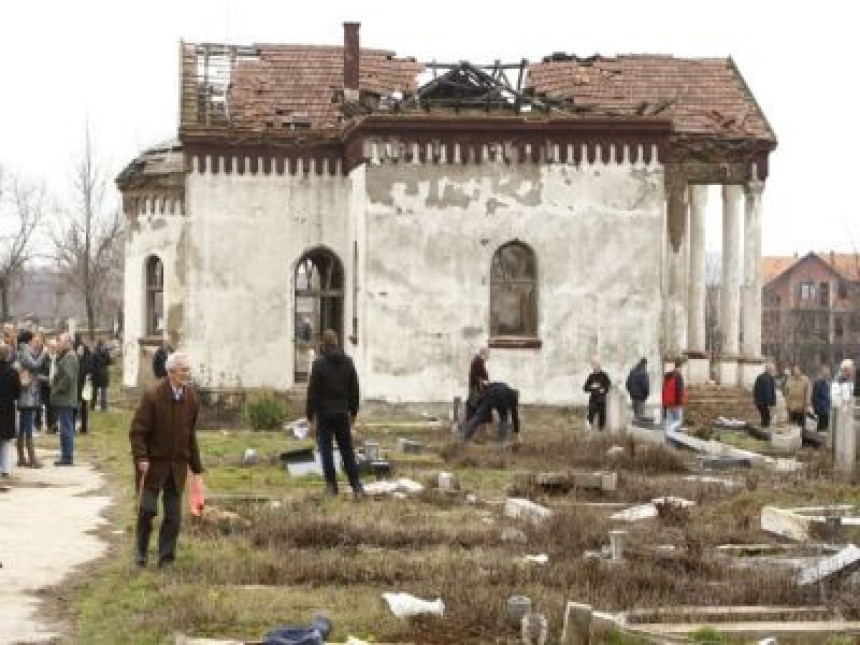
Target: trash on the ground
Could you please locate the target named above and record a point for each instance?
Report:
(730, 423)
(300, 428)
(448, 482)
(313, 634)
(389, 487)
(250, 457)
(404, 605)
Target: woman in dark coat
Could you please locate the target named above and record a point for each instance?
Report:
(10, 390)
(101, 362)
(85, 367)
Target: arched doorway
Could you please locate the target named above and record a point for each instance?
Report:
(318, 305)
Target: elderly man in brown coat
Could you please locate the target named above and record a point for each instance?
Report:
(164, 446)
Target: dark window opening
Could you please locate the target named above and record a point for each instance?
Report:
(154, 297)
(513, 292)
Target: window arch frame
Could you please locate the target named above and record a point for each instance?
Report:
(527, 336)
(152, 289)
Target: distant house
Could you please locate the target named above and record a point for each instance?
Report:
(811, 309)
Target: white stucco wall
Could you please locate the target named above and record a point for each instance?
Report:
(431, 231)
(246, 234)
(150, 232)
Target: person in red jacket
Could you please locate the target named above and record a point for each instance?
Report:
(674, 397)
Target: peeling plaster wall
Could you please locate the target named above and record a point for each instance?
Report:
(151, 233)
(431, 231)
(246, 235)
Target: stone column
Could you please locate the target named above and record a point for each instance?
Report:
(730, 304)
(675, 304)
(751, 292)
(698, 367)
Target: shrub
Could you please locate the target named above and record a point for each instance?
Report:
(266, 412)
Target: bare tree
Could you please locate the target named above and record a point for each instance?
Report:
(25, 204)
(88, 245)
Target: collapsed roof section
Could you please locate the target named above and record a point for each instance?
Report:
(265, 97)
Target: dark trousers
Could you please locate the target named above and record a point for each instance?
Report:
(823, 421)
(169, 532)
(83, 413)
(638, 408)
(597, 409)
(100, 395)
(764, 413)
(335, 426)
(797, 418)
(67, 434)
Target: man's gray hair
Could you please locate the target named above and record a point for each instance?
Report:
(177, 359)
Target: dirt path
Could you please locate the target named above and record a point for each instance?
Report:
(47, 523)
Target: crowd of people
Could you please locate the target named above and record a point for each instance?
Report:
(47, 384)
(806, 402)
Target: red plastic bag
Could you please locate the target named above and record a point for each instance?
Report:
(196, 498)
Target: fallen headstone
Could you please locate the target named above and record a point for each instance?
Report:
(649, 510)
(786, 439)
(518, 507)
(518, 606)
(409, 446)
(577, 624)
(511, 535)
(402, 485)
(847, 558)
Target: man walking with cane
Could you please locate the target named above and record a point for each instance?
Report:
(164, 446)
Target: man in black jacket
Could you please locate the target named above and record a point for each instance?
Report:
(332, 406)
(764, 394)
(505, 401)
(597, 385)
(159, 360)
(639, 387)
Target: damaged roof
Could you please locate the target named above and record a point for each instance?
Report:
(701, 96)
(291, 91)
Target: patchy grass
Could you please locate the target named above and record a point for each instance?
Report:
(295, 552)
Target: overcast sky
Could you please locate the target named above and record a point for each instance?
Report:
(116, 64)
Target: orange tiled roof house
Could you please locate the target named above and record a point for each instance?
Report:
(553, 210)
(811, 313)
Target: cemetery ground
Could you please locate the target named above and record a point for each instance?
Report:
(271, 549)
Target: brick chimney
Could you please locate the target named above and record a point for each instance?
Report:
(351, 49)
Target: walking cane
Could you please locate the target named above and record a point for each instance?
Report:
(140, 489)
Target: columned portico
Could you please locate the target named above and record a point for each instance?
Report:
(698, 369)
(676, 267)
(730, 304)
(751, 364)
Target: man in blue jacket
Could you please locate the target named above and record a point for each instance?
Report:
(821, 398)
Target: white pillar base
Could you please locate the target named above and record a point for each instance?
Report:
(727, 372)
(748, 373)
(697, 371)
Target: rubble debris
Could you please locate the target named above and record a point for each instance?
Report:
(404, 605)
(534, 629)
(517, 507)
(300, 428)
(847, 558)
(616, 544)
(615, 452)
(563, 482)
(514, 535)
(786, 439)
(647, 511)
(541, 558)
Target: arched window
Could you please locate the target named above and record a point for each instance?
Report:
(513, 292)
(154, 296)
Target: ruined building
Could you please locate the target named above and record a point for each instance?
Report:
(552, 210)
